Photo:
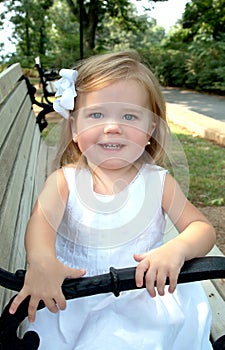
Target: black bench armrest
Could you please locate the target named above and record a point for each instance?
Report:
(115, 281)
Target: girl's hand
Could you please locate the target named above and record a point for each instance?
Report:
(43, 281)
(158, 265)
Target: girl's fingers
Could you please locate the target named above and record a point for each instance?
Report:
(144, 270)
(160, 283)
(61, 302)
(75, 273)
(51, 305)
(150, 280)
(139, 257)
(141, 269)
(155, 270)
(17, 301)
(173, 282)
(32, 308)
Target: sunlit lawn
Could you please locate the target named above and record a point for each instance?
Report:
(206, 162)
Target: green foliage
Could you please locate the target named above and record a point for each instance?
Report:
(51, 29)
(63, 50)
(193, 54)
(206, 69)
(95, 14)
(144, 31)
(205, 17)
(168, 65)
(2, 67)
(30, 20)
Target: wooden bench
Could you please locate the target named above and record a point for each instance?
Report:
(20, 145)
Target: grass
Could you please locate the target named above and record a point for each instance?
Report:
(206, 162)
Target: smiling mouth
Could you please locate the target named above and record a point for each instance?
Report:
(112, 146)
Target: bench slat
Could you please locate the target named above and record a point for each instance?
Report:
(8, 79)
(42, 167)
(10, 109)
(218, 310)
(11, 146)
(28, 196)
(220, 283)
(10, 206)
(220, 286)
(20, 141)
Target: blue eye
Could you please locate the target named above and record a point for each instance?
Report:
(129, 117)
(96, 115)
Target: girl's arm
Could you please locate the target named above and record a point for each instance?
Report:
(45, 274)
(196, 238)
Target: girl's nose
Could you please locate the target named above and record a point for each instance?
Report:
(112, 128)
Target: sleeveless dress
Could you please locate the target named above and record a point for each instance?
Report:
(99, 231)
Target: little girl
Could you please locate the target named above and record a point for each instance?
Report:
(105, 206)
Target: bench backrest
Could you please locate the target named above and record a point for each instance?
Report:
(47, 80)
(20, 141)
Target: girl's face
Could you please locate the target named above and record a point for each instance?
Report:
(113, 125)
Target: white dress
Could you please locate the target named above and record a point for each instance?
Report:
(99, 231)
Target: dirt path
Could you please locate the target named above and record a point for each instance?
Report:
(216, 215)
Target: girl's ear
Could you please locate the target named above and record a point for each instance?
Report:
(73, 129)
(152, 129)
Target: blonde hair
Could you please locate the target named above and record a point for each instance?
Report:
(100, 71)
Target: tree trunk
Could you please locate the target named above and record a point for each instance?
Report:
(27, 34)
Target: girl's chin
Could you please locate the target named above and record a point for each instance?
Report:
(110, 164)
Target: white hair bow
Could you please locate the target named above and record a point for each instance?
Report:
(65, 89)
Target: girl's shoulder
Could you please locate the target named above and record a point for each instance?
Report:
(69, 171)
(154, 177)
(55, 190)
(75, 175)
(57, 179)
(149, 168)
